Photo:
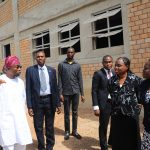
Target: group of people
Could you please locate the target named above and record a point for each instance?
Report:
(116, 93)
(119, 93)
(43, 96)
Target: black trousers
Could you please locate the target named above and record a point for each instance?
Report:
(103, 125)
(44, 113)
(68, 99)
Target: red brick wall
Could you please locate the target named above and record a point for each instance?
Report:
(89, 69)
(139, 30)
(6, 13)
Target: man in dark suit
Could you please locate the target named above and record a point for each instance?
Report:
(100, 98)
(42, 99)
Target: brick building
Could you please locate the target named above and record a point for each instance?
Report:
(93, 27)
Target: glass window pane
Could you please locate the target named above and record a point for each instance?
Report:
(115, 20)
(47, 52)
(38, 41)
(46, 38)
(101, 24)
(117, 39)
(75, 31)
(64, 35)
(101, 42)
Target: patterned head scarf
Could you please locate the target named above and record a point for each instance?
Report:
(11, 61)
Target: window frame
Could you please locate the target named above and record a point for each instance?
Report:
(107, 29)
(70, 39)
(42, 46)
(4, 50)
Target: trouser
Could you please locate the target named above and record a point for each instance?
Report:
(15, 147)
(103, 125)
(44, 112)
(68, 99)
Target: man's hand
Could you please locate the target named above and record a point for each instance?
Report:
(30, 112)
(2, 81)
(82, 99)
(58, 110)
(97, 112)
(62, 98)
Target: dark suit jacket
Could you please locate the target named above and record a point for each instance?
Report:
(33, 87)
(99, 88)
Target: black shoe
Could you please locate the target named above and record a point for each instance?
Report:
(66, 136)
(76, 135)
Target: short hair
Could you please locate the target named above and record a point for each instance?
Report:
(35, 52)
(126, 62)
(40, 50)
(148, 63)
(70, 48)
(104, 57)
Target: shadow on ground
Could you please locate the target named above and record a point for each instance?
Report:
(32, 146)
(86, 143)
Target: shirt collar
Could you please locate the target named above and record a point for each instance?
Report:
(73, 61)
(106, 70)
(39, 67)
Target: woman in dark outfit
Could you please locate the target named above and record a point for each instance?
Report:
(124, 91)
(145, 93)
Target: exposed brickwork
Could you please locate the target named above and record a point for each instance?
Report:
(89, 69)
(26, 5)
(6, 14)
(139, 29)
(25, 55)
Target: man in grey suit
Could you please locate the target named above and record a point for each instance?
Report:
(101, 98)
(42, 99)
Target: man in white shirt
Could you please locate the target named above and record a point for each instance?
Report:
(14, 130)
(101, 97)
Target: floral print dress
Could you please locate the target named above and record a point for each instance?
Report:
(146, 134)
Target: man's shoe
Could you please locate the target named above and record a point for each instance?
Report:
(76, 135)
(66, 136)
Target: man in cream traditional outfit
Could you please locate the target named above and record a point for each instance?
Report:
(14, 129)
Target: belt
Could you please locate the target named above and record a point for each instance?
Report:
(45, 96)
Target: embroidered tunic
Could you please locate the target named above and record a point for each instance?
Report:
(13, 123)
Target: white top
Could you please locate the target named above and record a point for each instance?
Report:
(13, 122)
(48, 90)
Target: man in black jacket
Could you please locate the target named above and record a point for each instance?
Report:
(70, 87)
(100, 98)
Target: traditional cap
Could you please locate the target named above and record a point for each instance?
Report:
(11, 60)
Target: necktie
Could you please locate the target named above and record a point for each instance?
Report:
(42, 80)
(109, 74)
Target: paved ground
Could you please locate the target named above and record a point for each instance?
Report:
(87, 127)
